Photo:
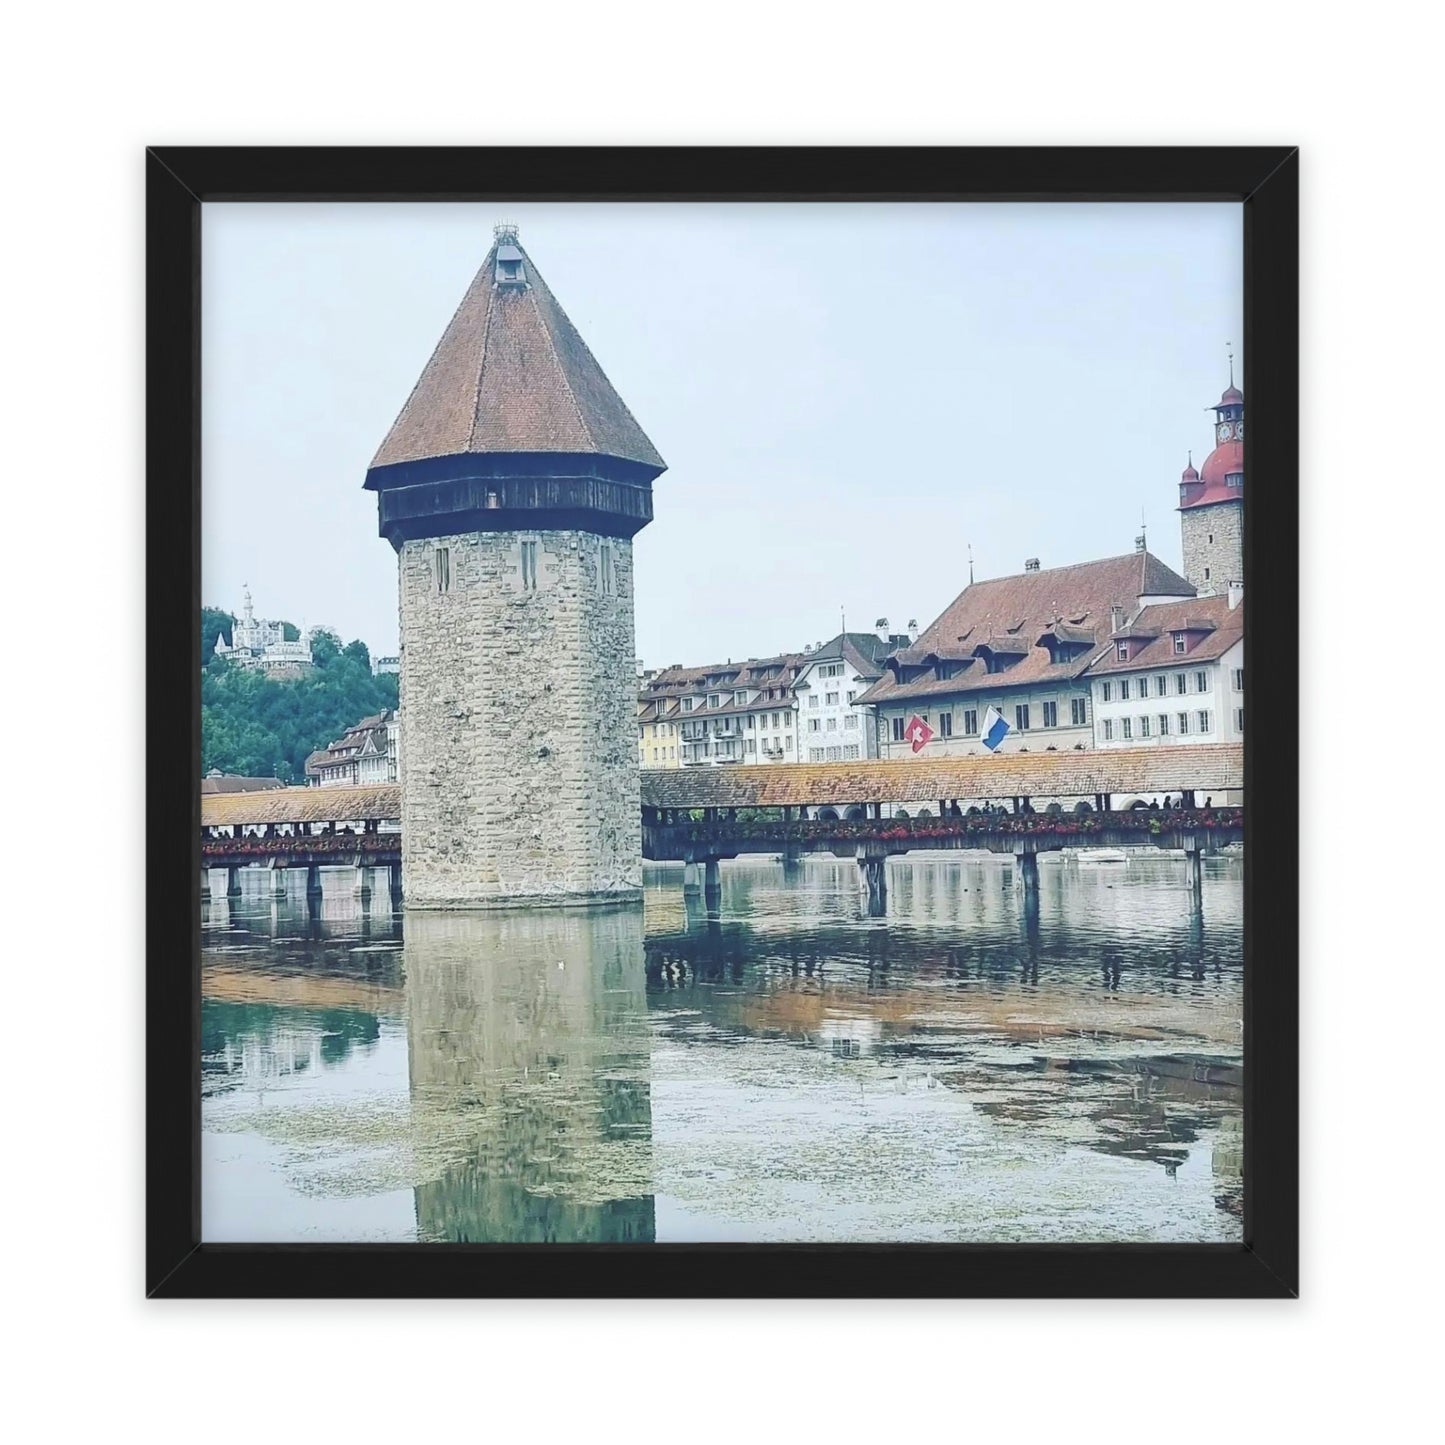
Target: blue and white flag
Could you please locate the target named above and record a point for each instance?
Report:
(995, 729)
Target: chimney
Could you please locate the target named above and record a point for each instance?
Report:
(1031, 564)
(1236, 594)
(912, 628)
(1116, 617)
(807, 649)
(881, 628)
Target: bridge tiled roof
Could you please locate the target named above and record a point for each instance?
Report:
(302, 805)
(1207, 768)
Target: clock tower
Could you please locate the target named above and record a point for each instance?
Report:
(1211, 501)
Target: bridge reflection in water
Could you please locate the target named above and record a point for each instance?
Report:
(972, 1069)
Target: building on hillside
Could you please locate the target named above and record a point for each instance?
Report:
(263, 646)
(369, 752)
(1173, 674)
(218, 782)
(1021, 644)
(1211, 502)
(832, 724)
(380, 665)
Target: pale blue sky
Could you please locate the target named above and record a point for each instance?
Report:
(846, 395)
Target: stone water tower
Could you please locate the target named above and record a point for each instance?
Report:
(511, 487)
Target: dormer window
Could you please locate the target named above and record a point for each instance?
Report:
(510, 270)
(1179, 644)
(1123, 651)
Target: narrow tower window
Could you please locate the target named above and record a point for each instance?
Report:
(444, 569)
(529, 566)
(609, 577)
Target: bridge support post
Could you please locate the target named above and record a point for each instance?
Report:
(394, 884)
(875, 881)
(205, 885)
(712, 886)
(1194, 861)
(233, 882)
(691, 877)
(278, 881)
(1026, 869)
(362, 886)
(792, 858)
(313, 886)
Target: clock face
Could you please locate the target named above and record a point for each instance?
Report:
(1239, 430)
(1224, 431)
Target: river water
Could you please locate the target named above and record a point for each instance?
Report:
(791, 1070)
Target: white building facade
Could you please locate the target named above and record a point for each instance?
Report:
(262, 645)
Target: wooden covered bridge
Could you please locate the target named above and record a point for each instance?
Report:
(1018, 803)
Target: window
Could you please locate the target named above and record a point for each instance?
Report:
(831, 699)
(529, 566)
(1181, 683)
(832, 724)
(444, 569)
(833, 754)
(1077, 712)
(897, 723)
(850, 752)
(776, 723)
(1143, 727)
(788, 742)
(1179, 644)
(1161, 686)
(1123, 652)
(1128, 728)
(852, 697)
(1206, 574)
(1239, 719)
(815, 725)
(1143, 687)
(1108, 730)
(945, 724)
(1051, 714)
(1124, 689)
(715, 700)
(688, 703)
(1239, 679)
(752, 745)
(813, 700)
(851, 721)
(1108, 691)
(608, 576)
(1201, 682)
(1021, 717)
(750, 722)
(1183, 723)
(815, 755)
(1203, 720)
(833, 669)
(970, 722)
(1163, 724)
(741, 698)
(1211, 539)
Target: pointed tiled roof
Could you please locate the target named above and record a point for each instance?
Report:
(511, 374)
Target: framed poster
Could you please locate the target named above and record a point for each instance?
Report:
(696, 722)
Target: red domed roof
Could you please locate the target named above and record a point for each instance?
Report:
(1227, 457)
(1233, 396)
(1189, 474)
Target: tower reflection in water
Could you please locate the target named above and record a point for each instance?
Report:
(529, 1075)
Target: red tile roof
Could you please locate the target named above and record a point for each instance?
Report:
(511, 374)
(1210, 625)
(1072, 603)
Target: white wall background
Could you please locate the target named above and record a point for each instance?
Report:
(1360, 95)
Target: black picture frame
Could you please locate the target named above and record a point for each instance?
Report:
(1263, 180)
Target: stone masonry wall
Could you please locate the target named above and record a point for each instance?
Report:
(1224, 556)
(518, 706)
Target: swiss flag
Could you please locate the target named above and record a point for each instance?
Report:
(918, 733)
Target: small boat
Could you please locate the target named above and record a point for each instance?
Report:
(1102, 855)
